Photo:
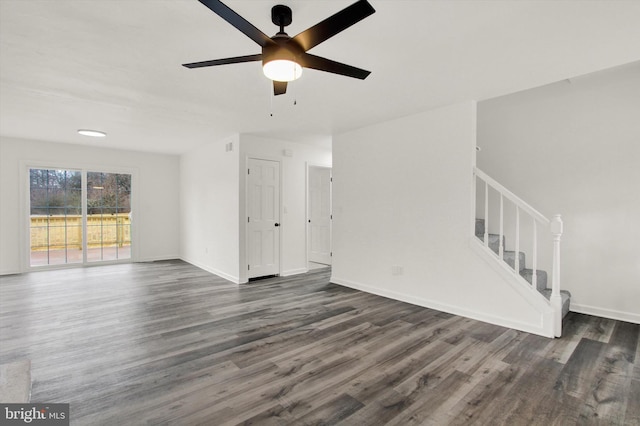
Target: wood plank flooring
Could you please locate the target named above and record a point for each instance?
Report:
(166, 343)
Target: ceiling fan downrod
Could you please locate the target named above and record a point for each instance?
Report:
(281, 16)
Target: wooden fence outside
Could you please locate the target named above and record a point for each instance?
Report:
(58, 232)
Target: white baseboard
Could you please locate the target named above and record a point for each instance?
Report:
(538, 329)
(294, 272)
(157, 258)
(235, 280)
(605, 313)
(88, 265)
(10, 272)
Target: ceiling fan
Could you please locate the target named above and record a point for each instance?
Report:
(283, 57)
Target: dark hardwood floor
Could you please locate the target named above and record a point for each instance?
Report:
(166, 343)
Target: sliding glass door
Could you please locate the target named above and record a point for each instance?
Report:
(108, 216)
(55, 216)
(78, 216)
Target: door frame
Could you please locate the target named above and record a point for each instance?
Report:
(244, 225)
(307, 210)
(25, 208)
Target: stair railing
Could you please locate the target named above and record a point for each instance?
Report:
(538, 220)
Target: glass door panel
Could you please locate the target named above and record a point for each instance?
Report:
(108, 216)
(55, 216)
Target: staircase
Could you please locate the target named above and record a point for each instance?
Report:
(509, 258)
(499, 211)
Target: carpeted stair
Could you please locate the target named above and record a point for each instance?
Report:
(510, 256)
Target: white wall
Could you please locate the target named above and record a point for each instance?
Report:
(293, 258)
(155, 196)
(209, 206)
(574, 148)
(402, 196)
(213, 203)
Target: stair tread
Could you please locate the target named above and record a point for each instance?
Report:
(541, 277)
(509, 256)
(494, 242)
(563, 293)
(530, 271)
(492, 237)
(566, 299)
(526, 273)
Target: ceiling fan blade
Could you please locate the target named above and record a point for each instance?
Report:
(225, 61)
(334, 24)
(322, 64)
(226, 13)
(279, 87)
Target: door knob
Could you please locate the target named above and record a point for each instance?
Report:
(277, 224)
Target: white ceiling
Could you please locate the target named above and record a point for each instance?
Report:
(116, 65)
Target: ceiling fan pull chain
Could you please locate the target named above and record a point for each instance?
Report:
(271, 95)
(295, 92)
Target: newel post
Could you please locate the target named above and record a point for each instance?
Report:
(556, 298)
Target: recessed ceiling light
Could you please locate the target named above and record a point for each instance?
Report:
(93, 133)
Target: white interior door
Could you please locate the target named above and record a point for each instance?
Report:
(319, 214)
(263, 221)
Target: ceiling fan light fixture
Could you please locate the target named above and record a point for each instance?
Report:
(282, 70)
(282, 56)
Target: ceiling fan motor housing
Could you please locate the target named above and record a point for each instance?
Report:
(284, 48)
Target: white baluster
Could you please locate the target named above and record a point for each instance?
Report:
(556, 298)
(486, 214)
(500, 245)
(517, 256)
(534, 276)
